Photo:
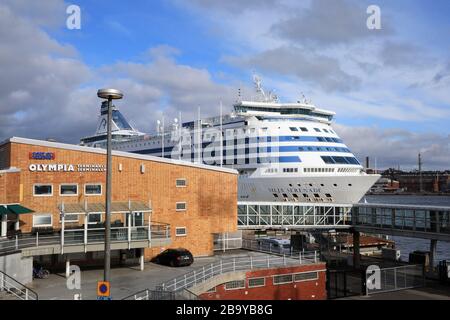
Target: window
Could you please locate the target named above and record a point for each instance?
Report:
(70, 218)
(275, 195)
(325, 130)
(92, 189)
(43, 190)
(293, 128)
(233, 285)
(180, 231)
(328, 195)
(317, 129)
(43, 220)
(181, 183)
(316, 195)
(68, 190)
(256, 282)
(340, 160)
(181, 206)
(305, 276)
(304, 129)
(281, 279)
(94, 218)
(212, 290)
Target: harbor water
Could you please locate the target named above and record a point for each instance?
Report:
(407, 245)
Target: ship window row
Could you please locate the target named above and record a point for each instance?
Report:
(340, 160)
(66, 189)
(290, 170)
(348, 170)
(318, 170)
(247, 149)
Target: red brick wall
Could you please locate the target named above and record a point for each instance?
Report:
(211, 195)
(9, 187)
(304, 290)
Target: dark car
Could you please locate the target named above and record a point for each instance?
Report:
(174, 257)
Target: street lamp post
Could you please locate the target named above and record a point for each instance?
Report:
(108, 94)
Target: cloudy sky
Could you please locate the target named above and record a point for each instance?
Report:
(389, 87)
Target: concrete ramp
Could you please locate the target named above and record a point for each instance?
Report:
(217, 280)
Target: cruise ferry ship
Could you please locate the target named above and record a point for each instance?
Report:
(284, 152)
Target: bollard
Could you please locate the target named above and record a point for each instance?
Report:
(17, 242)
(37, 239)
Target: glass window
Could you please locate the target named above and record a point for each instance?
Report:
(303, 129)
(94, 218)
(68, 189)
(340, 160)
(181, 206)
(256, 282)
(43, 190)
(43, 220)
(181, 183)
(233, 285)
(70, 218)
(93, 189)
(293, 128)
(285, 278)
(327, 160)
(305, 276)
(180, 231)
(317, 129)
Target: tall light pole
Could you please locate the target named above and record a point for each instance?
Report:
(108, 94)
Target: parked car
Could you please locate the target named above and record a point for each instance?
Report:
(282, 246)
(174, 257)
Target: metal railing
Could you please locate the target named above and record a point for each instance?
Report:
(71, 237)
(205, 273)
(17, 289)
(148, 294)
(395, 278)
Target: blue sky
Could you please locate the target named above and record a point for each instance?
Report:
(389, 87)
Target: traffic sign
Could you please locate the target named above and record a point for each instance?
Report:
(103, 289)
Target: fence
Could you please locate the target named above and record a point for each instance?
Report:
(15, 288)
(395, 278)
(148, 294)
(86, 236)
(196, 277)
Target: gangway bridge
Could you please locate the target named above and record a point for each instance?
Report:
(416, 221)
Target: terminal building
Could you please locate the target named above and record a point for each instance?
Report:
(52, 199)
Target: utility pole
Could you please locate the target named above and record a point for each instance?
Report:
(420, 173)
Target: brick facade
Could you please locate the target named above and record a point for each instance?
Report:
(210, 194)
(295, 290)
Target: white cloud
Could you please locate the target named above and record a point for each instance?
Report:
(393, 147)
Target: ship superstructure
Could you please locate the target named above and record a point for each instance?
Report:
(284, 152)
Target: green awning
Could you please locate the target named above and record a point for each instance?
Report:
(4, 210)
(18, 209)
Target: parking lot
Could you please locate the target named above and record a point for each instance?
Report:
(124, 280)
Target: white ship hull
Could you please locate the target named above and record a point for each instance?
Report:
(349, 189)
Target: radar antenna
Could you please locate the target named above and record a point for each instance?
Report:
(258, 86)
(270, 97)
